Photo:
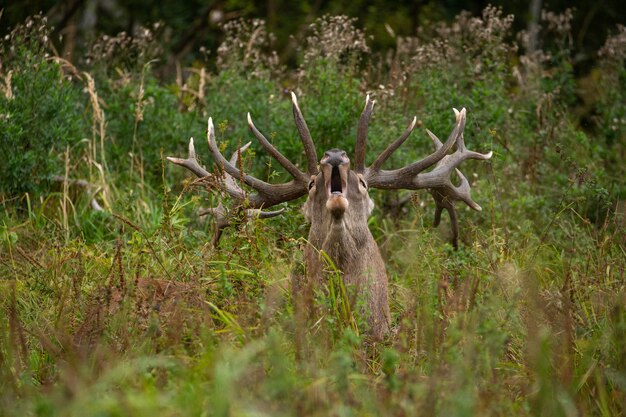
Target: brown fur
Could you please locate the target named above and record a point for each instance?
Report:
(347, 240)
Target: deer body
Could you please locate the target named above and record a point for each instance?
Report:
(338, 204)
(337, 209)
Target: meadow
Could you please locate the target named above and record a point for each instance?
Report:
(114, 302)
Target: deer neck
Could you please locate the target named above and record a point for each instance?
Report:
(344, 241)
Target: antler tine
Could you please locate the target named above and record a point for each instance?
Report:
(305, 136)
(467, 154)
(439, 178)
(361, 135)
(260, 214)
(286, 163)
(230, 185)
(445, 196)
(212, 211)
(442, 202)
(221, 221)
(435, 139)
(234, 159)
(462, 192)
(230, 169)
(449, 162)
(393, 146)
(417, 167)
(191, 163)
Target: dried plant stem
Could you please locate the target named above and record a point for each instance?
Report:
(139, 105)
(29, 258)
(66, 197)
(202, 85)
(99, 122)
(8, 91)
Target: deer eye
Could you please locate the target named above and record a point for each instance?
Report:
(311, 184)
(362, 181)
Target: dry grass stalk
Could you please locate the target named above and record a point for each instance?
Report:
(65, 199)
(139, 109)
(99, 121)
(8, 91)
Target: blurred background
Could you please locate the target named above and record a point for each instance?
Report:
(187, 26)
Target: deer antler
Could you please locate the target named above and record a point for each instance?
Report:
(266, 194)
(413, 177)
(222, 217)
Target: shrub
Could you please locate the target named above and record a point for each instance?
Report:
(41, 113)
(611, 119)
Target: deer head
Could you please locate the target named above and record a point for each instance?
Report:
(338, 202)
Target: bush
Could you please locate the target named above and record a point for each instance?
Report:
(42, 116)
(611, 118)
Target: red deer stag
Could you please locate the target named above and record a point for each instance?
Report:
(338, 204)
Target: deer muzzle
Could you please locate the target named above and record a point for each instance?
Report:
(335, 166)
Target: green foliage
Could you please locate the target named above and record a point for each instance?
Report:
(41, 118)
(611, 108)
(146, 122)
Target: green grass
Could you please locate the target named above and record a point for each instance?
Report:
(530, 326)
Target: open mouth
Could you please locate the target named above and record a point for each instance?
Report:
(336, 181)
(336, 186)
(336, 166)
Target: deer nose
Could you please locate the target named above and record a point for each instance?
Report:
(335, 157)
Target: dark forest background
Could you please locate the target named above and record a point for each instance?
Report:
(187, 26)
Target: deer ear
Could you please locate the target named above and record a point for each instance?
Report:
(312, 182)
(362, 183)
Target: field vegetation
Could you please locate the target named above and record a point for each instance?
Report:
(114, 302)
